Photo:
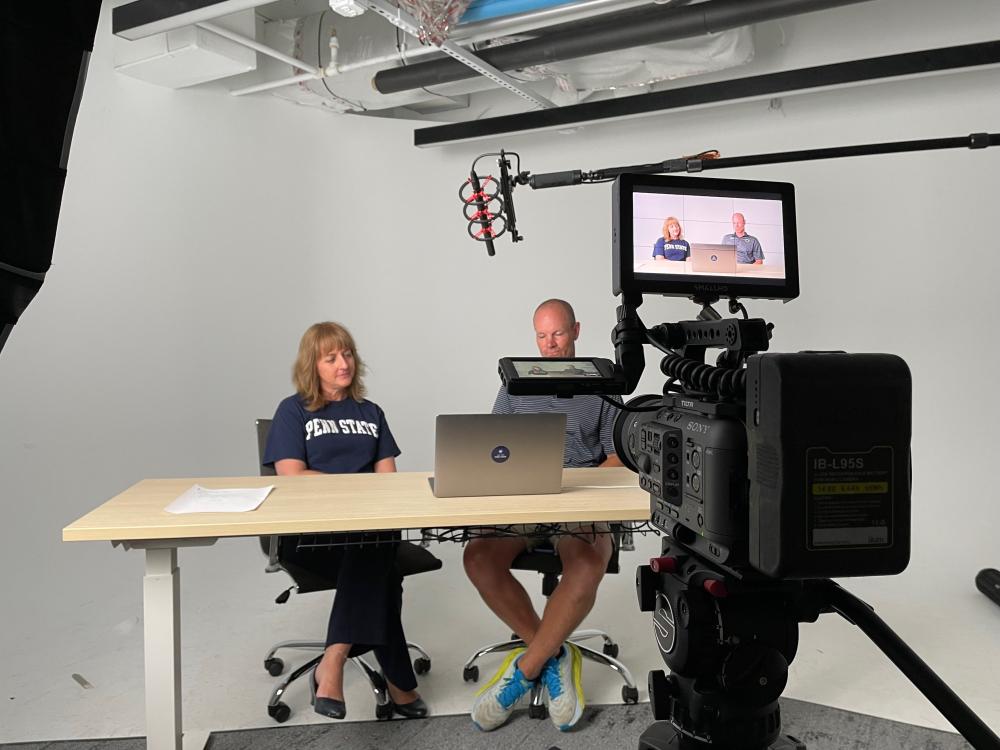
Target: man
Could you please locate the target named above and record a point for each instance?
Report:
(748, 249)
(584, 554)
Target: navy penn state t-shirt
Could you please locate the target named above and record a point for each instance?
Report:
(343, 437)
(672, 249)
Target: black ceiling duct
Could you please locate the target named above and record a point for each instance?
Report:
(653, 24)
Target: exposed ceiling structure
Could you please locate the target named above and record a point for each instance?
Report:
(538, 63)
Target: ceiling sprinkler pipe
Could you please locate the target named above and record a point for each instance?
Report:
(533, 22)
(487, 10)
(634, 28)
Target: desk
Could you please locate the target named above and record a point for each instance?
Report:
(307, 504)
(747, 270)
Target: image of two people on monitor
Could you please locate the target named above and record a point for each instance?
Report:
(559, 369)
(707, 235)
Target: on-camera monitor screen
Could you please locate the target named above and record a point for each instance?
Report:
(556, 368)
(735, 235)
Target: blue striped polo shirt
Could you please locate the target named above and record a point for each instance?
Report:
(590, 422)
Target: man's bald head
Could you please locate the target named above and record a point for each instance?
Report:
(556, 328)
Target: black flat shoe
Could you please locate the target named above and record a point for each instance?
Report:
(329, 707)
(413, 710)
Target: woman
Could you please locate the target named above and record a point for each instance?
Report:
(671, 246)
(328, 427)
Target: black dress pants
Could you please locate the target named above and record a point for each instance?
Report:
(368, 604)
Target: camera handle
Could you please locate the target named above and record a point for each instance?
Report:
(728, 643)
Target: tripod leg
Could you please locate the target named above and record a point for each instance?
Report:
(988, 581)
(916, 670)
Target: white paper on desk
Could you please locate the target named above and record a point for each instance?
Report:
(198, 499)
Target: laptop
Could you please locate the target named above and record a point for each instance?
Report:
(498, 454)
(713, 258)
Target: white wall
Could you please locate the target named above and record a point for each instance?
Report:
(201, 234)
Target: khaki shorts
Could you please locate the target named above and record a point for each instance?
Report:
(537, 534)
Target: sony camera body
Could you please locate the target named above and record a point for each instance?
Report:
(808, 478)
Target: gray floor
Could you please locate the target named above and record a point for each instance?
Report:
(614, 726)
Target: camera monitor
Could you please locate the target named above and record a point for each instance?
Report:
(548, 376)
(704, 237)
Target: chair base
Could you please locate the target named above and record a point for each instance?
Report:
(536, 707)
(281, 711)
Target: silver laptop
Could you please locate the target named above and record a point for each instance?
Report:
(713, 258)
(498, 454)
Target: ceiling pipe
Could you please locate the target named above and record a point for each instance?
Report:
(634, 28)
(534, 21)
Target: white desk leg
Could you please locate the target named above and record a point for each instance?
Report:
(162, 634)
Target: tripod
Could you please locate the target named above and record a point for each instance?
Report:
(729, 641)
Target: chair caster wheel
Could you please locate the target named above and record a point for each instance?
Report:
(421, 665)
(630, 694)
(538, 712)
(279, 712)
(274, 666)
(471, 674)
(383, 711)
(611, 649)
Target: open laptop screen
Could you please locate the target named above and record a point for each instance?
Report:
(498, 454)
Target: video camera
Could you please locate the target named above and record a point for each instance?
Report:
(792, 465)
(767, 473)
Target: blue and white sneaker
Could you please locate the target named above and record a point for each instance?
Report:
(498, 697)
(562, 679)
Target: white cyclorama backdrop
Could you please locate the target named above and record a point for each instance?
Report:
(200, 234)
(706, 219)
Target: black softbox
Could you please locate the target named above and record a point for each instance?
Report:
(44, 51)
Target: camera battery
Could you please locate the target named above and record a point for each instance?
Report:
(829, 464)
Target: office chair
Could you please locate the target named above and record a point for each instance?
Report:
(543, 559)
(309, 574)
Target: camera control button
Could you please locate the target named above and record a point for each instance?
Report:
(716, 588)
(666, 564)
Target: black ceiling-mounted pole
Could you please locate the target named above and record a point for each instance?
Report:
(653, 24)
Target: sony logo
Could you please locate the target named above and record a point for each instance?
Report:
(697, 427)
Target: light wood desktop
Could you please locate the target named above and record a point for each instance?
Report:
(749, 270)
(333, 502)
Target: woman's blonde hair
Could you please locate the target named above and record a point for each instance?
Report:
(666, 232)
(319, 340)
